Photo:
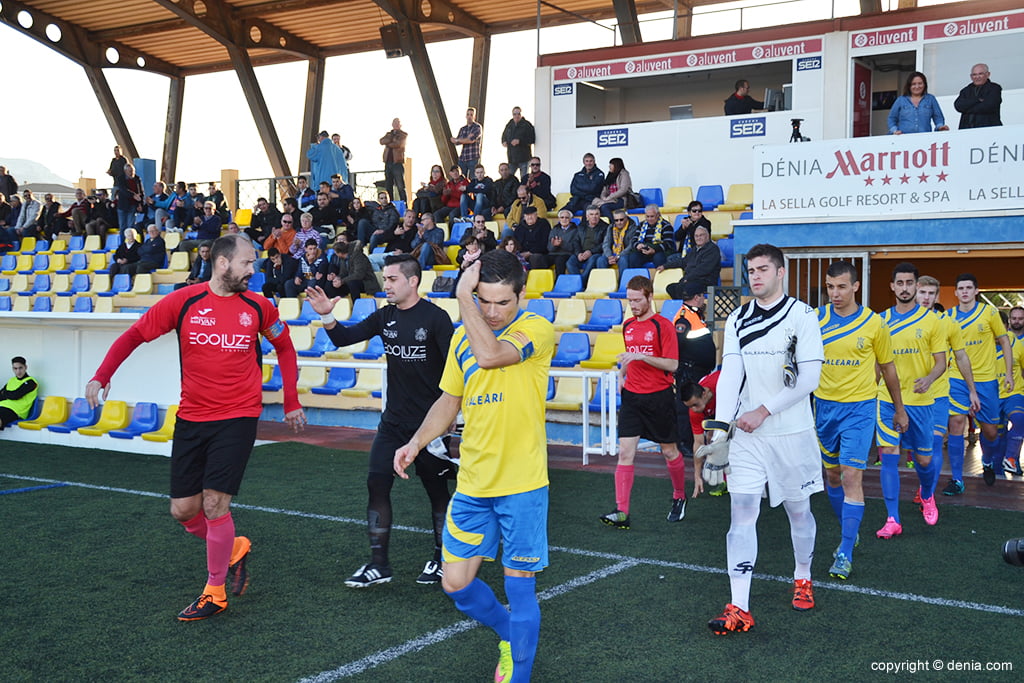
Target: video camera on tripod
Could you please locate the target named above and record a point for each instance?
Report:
(797, 136)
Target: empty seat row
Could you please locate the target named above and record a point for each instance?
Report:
(113, 418)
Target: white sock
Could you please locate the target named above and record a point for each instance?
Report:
(802, 530)
(741, 546)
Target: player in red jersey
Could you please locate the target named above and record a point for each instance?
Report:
(699, 398)
(218, 324)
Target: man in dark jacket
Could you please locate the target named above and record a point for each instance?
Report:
(383, 217)
(8, 185)
(479, 194)
(349, 272)
(740, 102)
(586, 185)
(152, 253)
(532, 235)
(539, 183)
(505, 188)
(702, 265)
(265, 217)
(518, 138)
(979, 103)
(591, 245)
(202, 269)
(278, 269)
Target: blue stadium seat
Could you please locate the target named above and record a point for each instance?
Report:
(42, 245)
(321, 345)
(458, 230)
(76, 243)
(306, 315)
(122, 283)
(337, 379)
(545, 308)
(378, 250)
(566, 286)
(81, 416)
(275, 382)
(5, 284)
(79, 261)
(257, 281)
(112, 243)
(572, 348)
(40, 263)
(8, 262)
(746, 215)
(79, 284)
(649, 195)
(266, 347)
(670, 308)
(83, 304)
(361, 310)
(624, 278)
(374, 350)
(710, 196)
(551, 388)
(595, 402)
(40, 283)
(42, 304)
(606, 314)
(145, 418)
(400, 205)
(451, 275)
(727, 247)
(5, 303)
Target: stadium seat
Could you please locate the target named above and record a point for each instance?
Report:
(369, 382)
(740, 198)
(5, 303)
(572, 348)
(58, 247)
(570, 394)
(627, 275)
(8, 264)
(728, 250)
(19, 283)
(747, 215)
(458, 230)
(670, 308)
(602, 282)
(275, 383)
(663, 279)
(172, 240)
(361, 310)
(595, 401)
(142, 286)
(721, 224)
(570, 315)
(79, 263)
(539, 281)
(112, 243)
(61, 305)
(257, 281)
(42, 247)
(346, 352)
(545, 308)
(79, 284)
(649, 195)
(40, 285)
(607, 348)
(92, 243)
(243, 217)
(166, 431)
(451, 307)
(426, 283)
(337, 379)
(309, 377)
(59, 264)
(40, 263)
(321, 345)
(400, 206)
(22, 304)
(567, 285)
(23, 265)
(145, 418)
(81, 415)
(289, 308)
(27, 246)
(710, 196)
(105, 305)
(114, 415)
(97, 262)
(450, 275)
(306, 315)
(42, 304)
(551, 388)
(179, 263)
(83, 304)
(5, 284)
(54, 411)
(121, 283)
(374, 349)
(302, 337)
(76, 243)
(561, 199)
(343, 309)
(606, 314)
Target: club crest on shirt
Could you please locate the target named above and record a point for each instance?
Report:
(860, 342)
(420, 334)
(648, 336)
(981, 328)
(245, 319)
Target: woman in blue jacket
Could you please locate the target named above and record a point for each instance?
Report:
(916, 109)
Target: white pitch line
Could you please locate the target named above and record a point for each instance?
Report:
(703, 569)
(417, 644)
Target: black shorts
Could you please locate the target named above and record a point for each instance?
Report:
(390, 437)
(649, 416)
(7, 416)
(210, 455)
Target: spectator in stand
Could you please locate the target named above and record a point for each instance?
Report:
(563, 243)
(619, 239)
(195, 200)
(207, 228)
(428, 197)
(18, 394)
(539, 184)
(590, 254)
(116, 169)
(217, 197)
(383, 217)
(305, 195)
(202, 269)
(127, 253)
(325, 159)
(278, 270)
(980, 102)
(355, 214)
(586, 185)
(514, 215)
(397, 240)
(394, 159)
(282, 237)
(510, 245)
(469, 251)
(28, 217)
(505, 188)
(341, 193)
(182, 208)
(291, 209)
(471, 138)
(428, 234)
(78, 212)
(702, 265)
(8, 185)
(532, 235)
(740, 102)
(265, 217)
(158, 205)
(152, 253)
(50, 220)
(5, 210)
(103, 215)
(15, 213)
(312, 270)
(518, 138)
(128, 196)
(479, 195)
(684, 235)
(483, 234)
(916, 109)
(350, 273)
(451, 196)
(305, 233)
(326, 218)
(617, 188)
(654, 240)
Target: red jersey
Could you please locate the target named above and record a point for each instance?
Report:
(709, 381)
(655, 336)
(219, 351)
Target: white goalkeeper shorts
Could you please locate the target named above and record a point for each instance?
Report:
(790, 464)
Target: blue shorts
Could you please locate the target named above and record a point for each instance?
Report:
(475, 526)
(917, 438)
(1012, 411)
(988, 397)
(844, 431)
(940, 416)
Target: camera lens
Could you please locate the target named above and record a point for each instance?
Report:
(1013, 552)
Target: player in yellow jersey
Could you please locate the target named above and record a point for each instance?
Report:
(919, 351)
(1014, 427)
(497, 373)
(856, 340)
(981, 326)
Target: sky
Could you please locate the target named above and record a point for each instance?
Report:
(66, 130)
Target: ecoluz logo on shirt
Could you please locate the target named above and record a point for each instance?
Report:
(747, 128)
(613, 137)
(227, 342)
(406, 352)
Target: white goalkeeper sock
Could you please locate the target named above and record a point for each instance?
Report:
(802, 529)
(741, 546)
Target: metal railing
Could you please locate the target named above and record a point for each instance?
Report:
(276, 189)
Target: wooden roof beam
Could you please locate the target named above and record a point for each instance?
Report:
(629, 24)
(434, 12)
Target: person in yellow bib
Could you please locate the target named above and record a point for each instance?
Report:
(18, 395)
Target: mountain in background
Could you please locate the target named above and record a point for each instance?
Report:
(26, 171)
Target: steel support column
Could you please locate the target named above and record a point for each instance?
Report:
(110, 110)
(314, 107)
(478, 75)
(416, 50)
(258, 105)
(870, 6)
(629, 26)
(172, 130)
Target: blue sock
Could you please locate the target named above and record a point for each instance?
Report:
(937, 453)
(956, 456)
(835, 496)
(1013, 443)
(891, 484)
(928, 476)
(988, 449)
(524, 624)
(853, 513)
(477, 600)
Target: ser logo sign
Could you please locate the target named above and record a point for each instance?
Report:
(563, 89)
(613, 137)
(808, 63)
(747, 128)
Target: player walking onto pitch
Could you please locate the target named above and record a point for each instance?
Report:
(497, 372)
(648, 400)
(1013, 404)
(217, 323)
(771, 363)
(856, 341)
(416, 334)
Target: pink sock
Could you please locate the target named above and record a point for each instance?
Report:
(220, 539)
(197, 525)
(677, 473)
(623, 486)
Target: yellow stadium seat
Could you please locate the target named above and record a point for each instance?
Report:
(23, 262)
(27, 244)
(302, 337)
(310, 377)
(62, 304)
(369, 381)
(100, 283)
(451, 307)
(677, 199)
(494, 228)
(268, 372)
(561, 199)
(54, 411)
(569, 393)
(427, 282)
(665, 278)
(56, 245)
(92, 243)
(19, 283)
(538, 282)
(607, 348)
(172, 240)
(602, 282)
(344, 352)
(103, 304)
(166, 431)
(740, 198)
(179, 263)
(143, 285)
(115, 415)
(343, 309)
(289, 308)
(721, 223)
(22, 304)
(243, 217)
(570, 314)
(57, 262)
(96, 262)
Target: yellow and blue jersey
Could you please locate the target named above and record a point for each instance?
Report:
(916, 336)
(853, 344)
(504, 443)
(954, 342)
(981, 326)
(1017, 349)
